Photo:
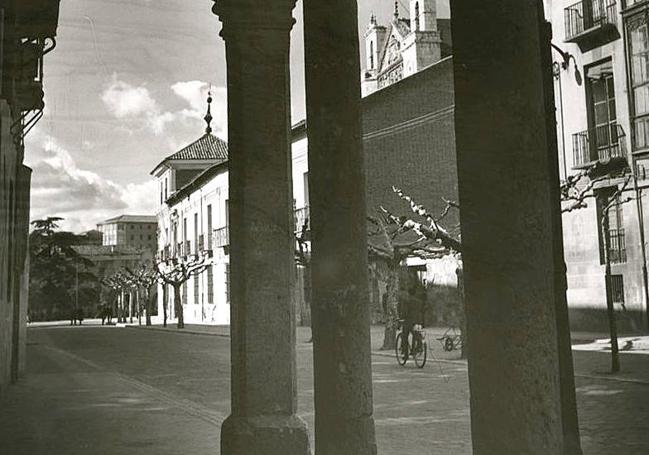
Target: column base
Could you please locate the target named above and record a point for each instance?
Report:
(341, 436)
(264, 435)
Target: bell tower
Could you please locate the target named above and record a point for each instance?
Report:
(374, 40)
(423, 15)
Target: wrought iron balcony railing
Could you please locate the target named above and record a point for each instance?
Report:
(300, 217)
(598, 144)
(591, 23)
(221, 237)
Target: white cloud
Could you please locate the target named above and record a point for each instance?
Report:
(124, 100)
(135, 104)
(83, 198)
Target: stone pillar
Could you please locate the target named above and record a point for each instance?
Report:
(264, 398)
(344, 421)
(508, 178)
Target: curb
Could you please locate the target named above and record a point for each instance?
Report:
(170, 330)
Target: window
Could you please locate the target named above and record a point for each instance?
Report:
(617, 289)
(227, 283)
(615, 219)
(305, 178)
(184, 295)
(196, 290)
(603, 134)
(639, 61)
(197, 246)
(209, 228)
(210, 284)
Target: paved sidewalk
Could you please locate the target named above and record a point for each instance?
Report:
(150, 391)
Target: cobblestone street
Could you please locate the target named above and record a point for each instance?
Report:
(108, 390)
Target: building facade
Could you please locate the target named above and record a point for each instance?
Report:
(137, 231)
(27, 31)
(602, 98)
(194, 220)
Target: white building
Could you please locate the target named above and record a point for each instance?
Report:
(602, 112)
(193, 220)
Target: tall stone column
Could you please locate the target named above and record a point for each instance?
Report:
(344, 421)
(508, 178)
(264, 398)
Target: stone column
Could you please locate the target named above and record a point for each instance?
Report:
(344, 421)
(508, 178)
(264, 399)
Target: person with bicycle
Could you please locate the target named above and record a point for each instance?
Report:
(411, 311)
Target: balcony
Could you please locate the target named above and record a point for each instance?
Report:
(591, 23)
(37, 18)
(221, 237)
(300, 217)
(617, 246)
(599, 144)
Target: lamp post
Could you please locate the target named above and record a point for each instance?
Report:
(564, 64)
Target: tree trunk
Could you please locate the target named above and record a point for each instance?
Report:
(138, 307)
(390, 309)
(610, 310)
(179, 307)
(130, 306)
(462, 311)
(165, 299)
(149, 305)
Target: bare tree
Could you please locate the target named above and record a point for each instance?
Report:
(389, 239)
(574, 192)
(175, 272)
(144, 278)
(303, 259)
(119, 282)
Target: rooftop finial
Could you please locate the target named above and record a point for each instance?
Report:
(208, 116)
(396, 9)
(373, 19)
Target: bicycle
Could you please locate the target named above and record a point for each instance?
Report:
(452, 339)
(414, 346)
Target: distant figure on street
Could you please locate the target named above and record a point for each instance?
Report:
(411, 310)
(76, 315)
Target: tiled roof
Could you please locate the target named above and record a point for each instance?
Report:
(132, 219)
(207, 147)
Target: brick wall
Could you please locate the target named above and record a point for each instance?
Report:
(409, 141)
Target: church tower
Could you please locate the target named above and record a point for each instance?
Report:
(423, 15)
(374, 41)
(422, 46)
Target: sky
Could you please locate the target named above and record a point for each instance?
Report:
(125, 87)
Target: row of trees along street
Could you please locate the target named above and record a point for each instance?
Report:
(133, 293)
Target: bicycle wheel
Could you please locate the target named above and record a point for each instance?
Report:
(402, 355)
(420, 353)
(448, 344)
